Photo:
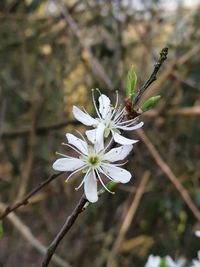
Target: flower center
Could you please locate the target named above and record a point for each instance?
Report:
(94, 160)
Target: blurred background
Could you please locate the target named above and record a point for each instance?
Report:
(52, 53)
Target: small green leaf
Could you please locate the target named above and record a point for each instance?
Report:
(1, 229)
(150, 103)
(131, 81)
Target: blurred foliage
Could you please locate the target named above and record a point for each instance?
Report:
(43, 67)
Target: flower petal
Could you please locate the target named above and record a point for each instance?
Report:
(153, 261)
(118, 153)
(90, 187)
(131, 128)
(99, 138)
(116, 173)
(104, 106)
(197, 233)
(78, 143)
(65, 164)
(83, 117)
(123, 140)
(91, 135)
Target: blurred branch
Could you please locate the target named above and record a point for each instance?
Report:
(65, 228)
(188, 112)
(13, 133)
(189, 82)
(169, 173)
(27, 234)
(27, 166)
(171, 67)
(36, 106)
(128, 219)
(2, 116)
(25, 200)
(96, 66)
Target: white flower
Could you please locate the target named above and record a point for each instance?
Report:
(178, 263)
(93, 161)
(197, 233)
(196, 263)
(110, 120)
(153, 261)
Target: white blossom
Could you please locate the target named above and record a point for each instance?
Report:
(197, 233)
(153, 261)
(110, 120)
(94, 162)
(196, 263)
(178, 263)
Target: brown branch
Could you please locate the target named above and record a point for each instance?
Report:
(27, 234)
(28, 164)
(128, 218)
(169, 173)
(2, 115)
(66, 227)
(96, 66)
(13, 133)
(187, 112)
(174, 64)
(153, 77)
(25, 200)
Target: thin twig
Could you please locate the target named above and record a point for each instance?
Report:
(66, 227)
(171, 176)
(27, 234)
(153, 77)
(13, 133)
(25, 200)
(128, 218)
(2, 116)
(96, 66)
(28, 164)
(171, 66)
(187, 112)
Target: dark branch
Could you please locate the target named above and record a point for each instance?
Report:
(39, 130)
(25, 200)
(153, 77)
(66, 227)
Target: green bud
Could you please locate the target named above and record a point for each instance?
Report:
(111, 185)
(150, 103)
(131, 81)
(1, 229)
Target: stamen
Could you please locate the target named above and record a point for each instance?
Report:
(116, 104)
(81, 135)
(72, 148)
(103, 183)
(109, 143)
(119, 116)
(116, 164)
(128, 121)
(83, 180)
(74, 173)
(63, 155)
